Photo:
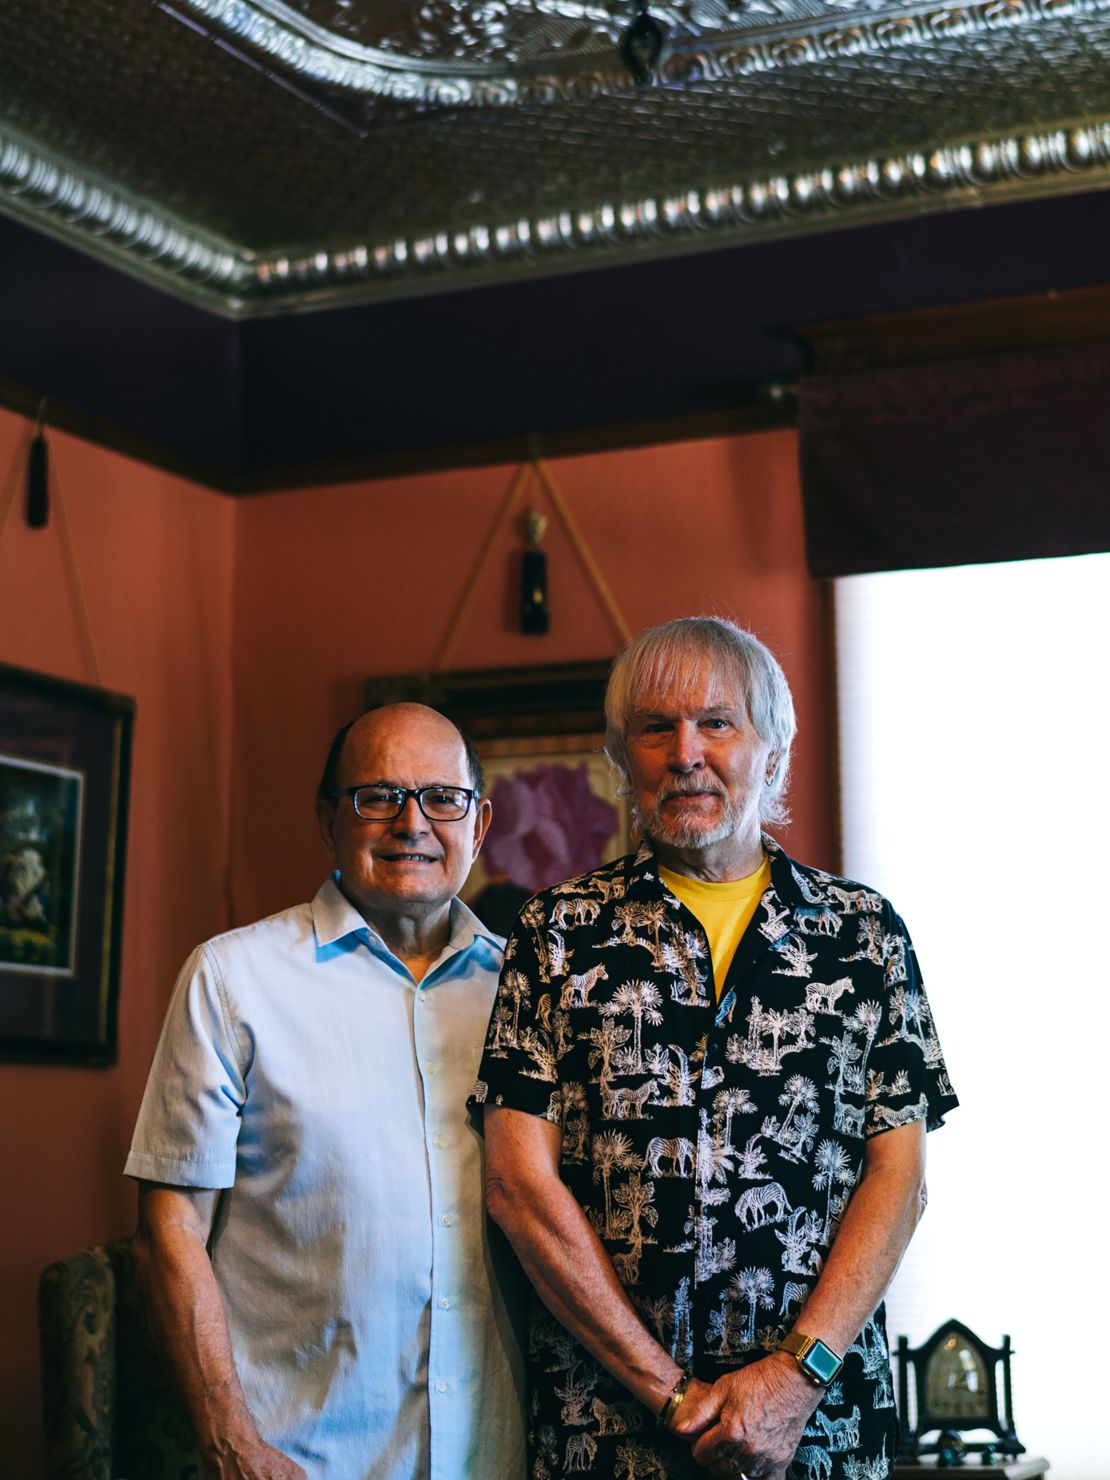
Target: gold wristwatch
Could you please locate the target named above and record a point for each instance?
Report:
(818, 1362)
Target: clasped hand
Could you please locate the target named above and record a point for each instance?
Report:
(748, 1422)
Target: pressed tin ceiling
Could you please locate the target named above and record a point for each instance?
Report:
(259, 156)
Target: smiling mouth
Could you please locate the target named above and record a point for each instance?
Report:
(407, 858)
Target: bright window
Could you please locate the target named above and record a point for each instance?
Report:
(975, 792)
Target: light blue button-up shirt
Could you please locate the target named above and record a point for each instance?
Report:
(373, 1314)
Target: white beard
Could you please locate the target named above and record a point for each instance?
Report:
(690, 832)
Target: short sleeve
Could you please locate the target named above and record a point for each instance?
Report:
(189, 1121)
(907, 1079)
(519, 1068)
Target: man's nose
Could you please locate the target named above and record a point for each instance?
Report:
(410, 819)
(687, 749)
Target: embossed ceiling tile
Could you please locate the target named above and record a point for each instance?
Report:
(150, 127)
(256, 157)
(799, 105)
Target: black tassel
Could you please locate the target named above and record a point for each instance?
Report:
(642, 45)
(534, 615)
(38, 483)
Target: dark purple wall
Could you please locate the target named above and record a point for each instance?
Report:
(655, 340)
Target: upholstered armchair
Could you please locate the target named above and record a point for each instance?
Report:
(109, 1410)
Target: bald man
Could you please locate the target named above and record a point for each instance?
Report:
(311, 1236)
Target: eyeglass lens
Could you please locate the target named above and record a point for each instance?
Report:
(440, 803)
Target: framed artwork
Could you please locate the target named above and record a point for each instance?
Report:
(65, 754)
(539, 732)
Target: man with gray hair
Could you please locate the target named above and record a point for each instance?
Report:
(705, 1092)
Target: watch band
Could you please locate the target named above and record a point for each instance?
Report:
(818, 1362)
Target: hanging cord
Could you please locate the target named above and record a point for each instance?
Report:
(83, 619)
(461, 614)
(68, 549)
(587, 561)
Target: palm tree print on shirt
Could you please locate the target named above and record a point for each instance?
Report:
(713, 1146)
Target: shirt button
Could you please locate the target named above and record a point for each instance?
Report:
(446, 1220)
(441, 1386)
(440, 1143)
(431, 1068)
(445, 1304)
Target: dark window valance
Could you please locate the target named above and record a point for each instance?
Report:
(1004, 458)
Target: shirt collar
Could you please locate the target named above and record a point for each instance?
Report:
(333, 915)
(334, 918)
(466, 928)
(643, 870)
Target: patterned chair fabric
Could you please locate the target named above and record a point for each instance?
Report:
(109, 1410)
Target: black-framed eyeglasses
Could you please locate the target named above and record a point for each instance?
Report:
(380, 803)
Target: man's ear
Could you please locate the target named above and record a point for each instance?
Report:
(483, 815)
(325, 821)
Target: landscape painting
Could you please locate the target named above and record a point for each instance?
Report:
(40, 833)
(65, 769)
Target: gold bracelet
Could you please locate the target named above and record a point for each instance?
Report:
(674, 1400)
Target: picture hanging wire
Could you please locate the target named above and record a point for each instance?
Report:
(7, 503)
(461, 615)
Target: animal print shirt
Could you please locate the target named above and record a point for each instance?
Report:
(714, 1148)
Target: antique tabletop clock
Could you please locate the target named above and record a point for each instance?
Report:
(955, 1392)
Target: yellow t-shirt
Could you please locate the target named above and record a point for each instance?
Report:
(723, 910)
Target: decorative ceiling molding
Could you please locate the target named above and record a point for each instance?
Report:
(761, 36)
(452, 143)
(89, 212)
(779, 205)
(239, 283)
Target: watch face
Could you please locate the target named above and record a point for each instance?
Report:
(822, 1363)
(956, 1384)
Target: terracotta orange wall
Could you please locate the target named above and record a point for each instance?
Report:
(155, 557)
(245, 633)
(337, 584)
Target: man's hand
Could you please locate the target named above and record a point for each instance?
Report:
(748, 1422)
(563, 1257)
(187, 1319)
(250, 1461)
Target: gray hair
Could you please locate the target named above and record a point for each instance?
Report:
(662, 658)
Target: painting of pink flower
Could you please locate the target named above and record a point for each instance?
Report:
(548, 824)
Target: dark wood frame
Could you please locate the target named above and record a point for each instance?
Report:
(70, 1017)
(506, 703)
